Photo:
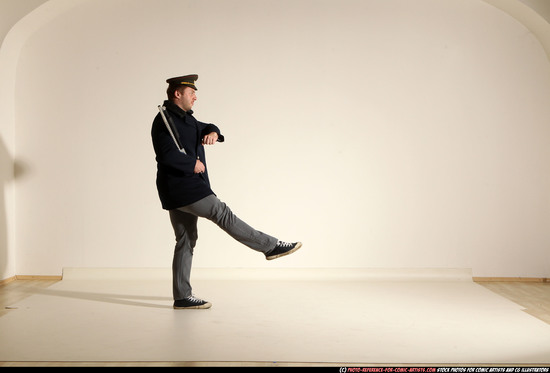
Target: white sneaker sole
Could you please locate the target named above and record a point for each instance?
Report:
(201, 307)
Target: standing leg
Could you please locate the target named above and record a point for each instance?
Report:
(184, 221)
(185, 230)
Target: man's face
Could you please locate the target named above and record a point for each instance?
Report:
(186, 98)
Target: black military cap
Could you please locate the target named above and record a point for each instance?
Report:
(188, 80)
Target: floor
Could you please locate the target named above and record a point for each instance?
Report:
(282, 319)
(534, 297)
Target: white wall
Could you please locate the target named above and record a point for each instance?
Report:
(381, 133)
(534, 14)
(541, 6)
(11, 12)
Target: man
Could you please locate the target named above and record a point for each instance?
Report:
(184, 188)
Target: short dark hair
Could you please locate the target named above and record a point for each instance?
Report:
(171, 90)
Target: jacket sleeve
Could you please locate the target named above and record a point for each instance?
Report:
(209, 128)
(167, 153)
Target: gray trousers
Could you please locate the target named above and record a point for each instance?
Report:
(184, 220)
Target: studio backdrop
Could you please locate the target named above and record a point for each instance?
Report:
(380, 133)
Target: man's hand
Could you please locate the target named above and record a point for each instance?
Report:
(210, 139)
(199, 167)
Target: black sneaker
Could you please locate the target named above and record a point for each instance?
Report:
(282, 249)
(191, 303)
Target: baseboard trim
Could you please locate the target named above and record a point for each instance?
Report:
(38, 277)
(474, 279)
(7, 280)
(511, 279)
(29, 277)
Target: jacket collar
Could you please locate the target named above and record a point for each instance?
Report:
(176, 109)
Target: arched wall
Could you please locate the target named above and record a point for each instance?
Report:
(380, 133)
(19, 21)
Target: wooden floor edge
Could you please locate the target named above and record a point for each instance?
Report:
(38, 277)
(511, 279)
(7, 280)
(29, 277)
(475, 279)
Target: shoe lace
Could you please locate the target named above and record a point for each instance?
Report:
(194, 299)
(284, 244)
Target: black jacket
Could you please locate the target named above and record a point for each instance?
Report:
(177, 184)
